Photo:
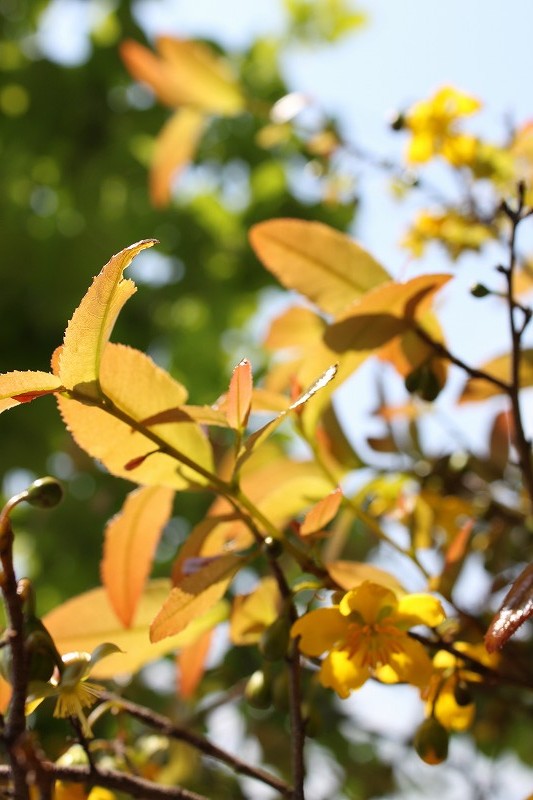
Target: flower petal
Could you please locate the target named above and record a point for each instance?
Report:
(368, 600)
(410, 664)
(419, 609)
(343, 673)
(319, 630)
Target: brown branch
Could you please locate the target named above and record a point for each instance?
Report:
(15, 728)
(168, 728)
(115, 780)
(521, 443)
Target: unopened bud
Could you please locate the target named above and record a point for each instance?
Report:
(44, 493)
(431, 741)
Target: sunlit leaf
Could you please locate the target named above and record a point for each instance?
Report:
(22, 387)
(322, 513)
(185, 73)
(516, 609)
(383, 313)
(239, 397)
(86, 621)
(175, 148)
(295, 327)
(477, 389)
(138, 390)
(130, 541)
(89, 329)
(204, 415)
(195, 596)
(252, 613)
(316, 260)
(349, 574)
(192, 663)
(501, 437)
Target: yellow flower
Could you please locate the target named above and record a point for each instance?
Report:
(453, 231)
(447, 695)
(73, 691)
(433, 124)
(366, 636)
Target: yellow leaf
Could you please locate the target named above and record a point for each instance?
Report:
(323, 512)
(195, 596)
(175, 148)
(349, 574)
(316, 260)
(22, 387)
(89, 329)
(130, 541)
(296, 327)
(382, 314)
(477, 389)
(239, 397)
(138, 390)
(185, 73)
(5, 695)
(88, 620)
(192, 663)
(252, 613)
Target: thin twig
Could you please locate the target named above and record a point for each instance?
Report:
(168, 728)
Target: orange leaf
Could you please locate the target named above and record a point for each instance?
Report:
(477, 389)
(87, 620)
(239, 397)
(323, 512)
(21, 387)
(89, 329)
(316, 260)
(138, 389)
(196, 594)
(192, 662)
(130, 541)
(516, 609)
(175, 147)
(185, 74)
(348, 574)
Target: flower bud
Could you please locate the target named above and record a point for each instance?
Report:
(275, 639)
(431, 741)
(44, 493)
(479, 290)
(462, 694)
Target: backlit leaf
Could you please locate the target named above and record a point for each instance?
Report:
(130, 541)
(316, 260)
(22, 387)
(175, 147)
(477, 389)
(239, 397)
(192, 663)
(253, 612)
(86, 621)
(89, 329)
(194, 597)
(516, 609)
(138, 389)
(323, 512)
(185, 73)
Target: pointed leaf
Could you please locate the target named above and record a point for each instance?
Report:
(138, 390)
(174, 149)
(185, 73)
(196, 594)
(516, 609)
(316, 260)
(86, 621)
(130, 541)
(192, 663)
(204, 415)
(239, 397)
(22, 387)
(89, 329)
(323, 512)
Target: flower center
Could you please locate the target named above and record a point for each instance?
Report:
(373, 643)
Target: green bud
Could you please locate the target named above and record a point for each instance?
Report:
(280, 691)
(479, 290)
(274, 640)
(258, 690)
(431, 741)
(44, 493)
(397, 122)
(423, 382)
